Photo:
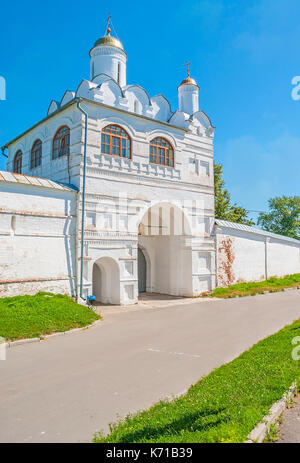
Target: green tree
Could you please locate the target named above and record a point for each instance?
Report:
(283, 216)
(224, 210)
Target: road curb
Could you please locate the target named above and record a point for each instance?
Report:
(258, 434)
(45, 337)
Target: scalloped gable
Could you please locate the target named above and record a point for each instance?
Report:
(100, 78)
(53, 106)
(137, 95)
(68, 96)
(109, 92)
(203, 119)
(161, 108)
(84, 88)
(138, 91)
(133, 98)
(179, 118)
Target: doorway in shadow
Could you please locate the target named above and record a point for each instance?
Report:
(142, 271)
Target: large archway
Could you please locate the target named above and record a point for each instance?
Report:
(106, 281)
(163, 233)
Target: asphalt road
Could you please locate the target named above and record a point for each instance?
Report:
(66, 388)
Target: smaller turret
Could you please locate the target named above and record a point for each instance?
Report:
(188, 94)
(108, 57)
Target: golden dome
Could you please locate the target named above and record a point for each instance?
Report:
(188, 81)
(109, 41)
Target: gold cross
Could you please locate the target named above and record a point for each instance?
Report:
(108, 29)
(187, 65)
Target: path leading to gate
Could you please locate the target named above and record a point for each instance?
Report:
(66, 388)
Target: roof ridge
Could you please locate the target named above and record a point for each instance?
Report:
(12, 177)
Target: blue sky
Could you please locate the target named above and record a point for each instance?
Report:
(244, 56)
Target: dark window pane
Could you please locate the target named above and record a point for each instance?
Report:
(161, 152)
(117, 142)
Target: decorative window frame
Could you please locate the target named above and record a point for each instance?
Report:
(17, 162)
(66, 148)
(33, 154)
(165, 149)
(110, 144)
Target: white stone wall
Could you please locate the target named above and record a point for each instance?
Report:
(250, 256)
(37, 239)
(283, 258)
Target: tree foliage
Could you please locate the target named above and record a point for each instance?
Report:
(224, 210)
(283, 216)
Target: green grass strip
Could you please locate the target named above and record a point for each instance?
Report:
(45, 313)
(272, 284)
(222, 407)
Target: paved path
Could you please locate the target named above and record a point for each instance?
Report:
(289, 430)
(66, 388)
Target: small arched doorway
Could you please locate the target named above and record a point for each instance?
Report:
(142, 271)
(106, 281)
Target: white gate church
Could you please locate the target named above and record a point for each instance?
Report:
(112, 193)
(143, 175)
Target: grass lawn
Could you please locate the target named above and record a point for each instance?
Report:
(222, 407)
(45, 313)
(271, 285)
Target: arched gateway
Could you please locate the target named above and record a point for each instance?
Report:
(164, 256)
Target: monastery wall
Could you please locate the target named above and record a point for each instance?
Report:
(245, 255)
(37, 238)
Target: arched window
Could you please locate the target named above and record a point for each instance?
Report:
(61, 142)
(36, 154)
(18, 162)
(114, 140)
(161, 152)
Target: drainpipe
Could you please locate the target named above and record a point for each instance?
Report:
(266, 257)
(216, 253)
(83, 198)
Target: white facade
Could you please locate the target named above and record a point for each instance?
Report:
(146, 225)
(121, 194)
(37, 236)
(249, 254)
